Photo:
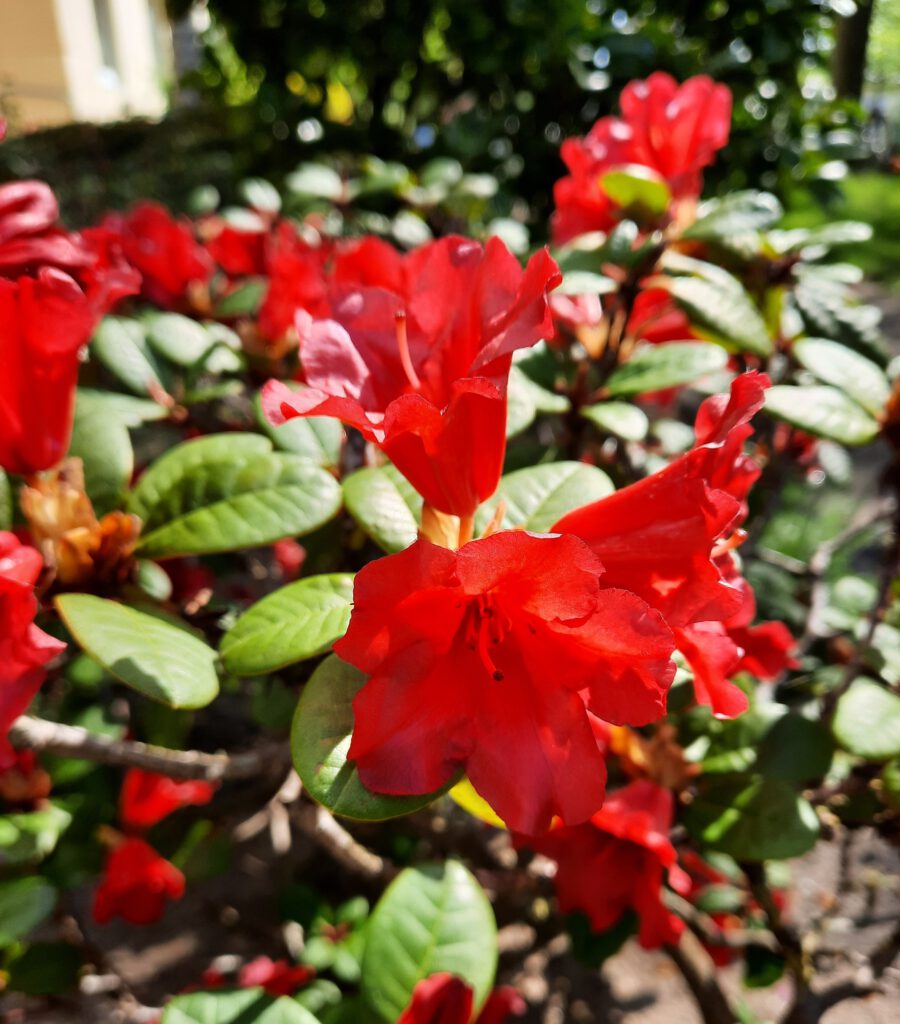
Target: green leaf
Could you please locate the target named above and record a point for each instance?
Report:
(24, 903)
(26, 838)
(229, 491)
(296, 622)
(771, 741)
(620, 418)
(317, 438)
(178, 338)
(867, 721)
(315, 181)
(864, 381)
(121, 346)
(260, 195)
(431, 919)
(152, 656)
(735, 214)
(385, 505)
(6, 502)
(244, 300)
(823, 411)
(246, 1006)
(585, 282)
(127, 409)
(717, 305)
(655, 367)
(633, 185)
(320, 739)
(536, 497)
(526, 398)
(45, 969)
(752, 819)
(830, 310)
(103, 444)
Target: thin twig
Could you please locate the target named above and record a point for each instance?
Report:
(699, 971)
(709, 932)
(318, 823)
(28, 733)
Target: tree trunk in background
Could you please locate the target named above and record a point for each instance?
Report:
(849, 59)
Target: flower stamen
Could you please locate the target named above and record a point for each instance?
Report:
(403, 346)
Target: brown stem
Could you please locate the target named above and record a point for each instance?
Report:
(699, 971)
(28, 733)
(317, 823)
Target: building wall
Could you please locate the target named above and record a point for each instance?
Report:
(83, 60)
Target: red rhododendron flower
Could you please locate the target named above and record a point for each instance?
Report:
(136, 884)
(239, 250)
(162, 248)
(489, 659)
(654, 317)
(24, 649)
(24, 782)
(424, 373)
(617, 861)
(146, 798)
(297, 282)
(277, 977)
(54, 286)
(670, 129)
(658, 538)
(445, 999)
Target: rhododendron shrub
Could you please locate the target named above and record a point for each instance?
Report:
(360, 596)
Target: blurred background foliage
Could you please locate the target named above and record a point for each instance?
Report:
(495, 87)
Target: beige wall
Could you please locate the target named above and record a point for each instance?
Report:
(52, 68)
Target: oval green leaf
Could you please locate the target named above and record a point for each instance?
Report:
(296, 622)
(385, 505)
(226, 492)
(179, 339)
(246, 1006)
(752, 818)
(121, 346)
(619, 418)
(320, 739)
(823, 411)
(538, 496)
(431, 919)
(159, 660)
(833, 363)
(633, 185)
(103, 444)
(655, 367)
(867, 721)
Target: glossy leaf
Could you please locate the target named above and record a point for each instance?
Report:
(734, 214)
(178, 338)
(620, 418)
(121, 346)
(315, 181)
(385, 505)
(823, 411)
(536, 497)
(317, 438)
(867, 721)
(296, 622)
(656, 367)
(229, 491)
(752, 818)
(717, 305)
(245, 1006)
(149, 654)
(431, 918)
(103, 444)
(864, 381)
(320, 739)
(128, 409)
(634, 185)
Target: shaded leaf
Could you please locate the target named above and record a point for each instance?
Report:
(656, 367)
(823, 411)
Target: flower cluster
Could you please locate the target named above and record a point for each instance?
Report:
(137, 882)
